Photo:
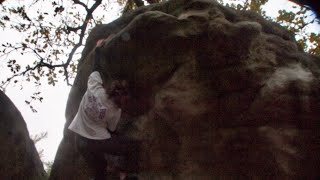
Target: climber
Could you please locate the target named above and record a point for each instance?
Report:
(96, 121)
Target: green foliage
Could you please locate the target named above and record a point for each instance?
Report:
(315, 43)
(296, 21)
(253, 5)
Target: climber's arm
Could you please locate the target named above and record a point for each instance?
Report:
(96, 64)
(110, 111)
(97, 56)
(113, 118)
(119, 94)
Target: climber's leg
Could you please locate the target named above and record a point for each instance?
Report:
(94, 153)
(94, 158)
(99, 165)
(128, 148)
(125, 147)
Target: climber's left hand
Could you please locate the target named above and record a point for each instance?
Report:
(102, 42)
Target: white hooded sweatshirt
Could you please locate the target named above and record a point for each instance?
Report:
(97, 113)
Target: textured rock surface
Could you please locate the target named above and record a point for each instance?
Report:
(218, 94)
(19, 157)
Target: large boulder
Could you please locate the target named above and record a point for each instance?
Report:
(219, 94)
(19, 157)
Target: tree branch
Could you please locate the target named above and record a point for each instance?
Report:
(82, 33)
(65, 65)
(81, 4)
(83, 29)
(4, 84)
(74, 29)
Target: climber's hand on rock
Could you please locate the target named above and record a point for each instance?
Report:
(102, 42)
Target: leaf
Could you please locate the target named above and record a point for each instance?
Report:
(36, 77)
(6, 18)
(33, 110)
(40, 17)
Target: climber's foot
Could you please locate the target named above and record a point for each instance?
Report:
(123, 175)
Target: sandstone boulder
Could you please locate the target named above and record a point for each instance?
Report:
(19, 157)
(218, 94)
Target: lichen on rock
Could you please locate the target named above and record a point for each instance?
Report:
(218, 93)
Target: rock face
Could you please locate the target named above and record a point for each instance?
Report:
(19, 157)
(218, 94)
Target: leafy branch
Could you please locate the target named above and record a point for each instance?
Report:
(82, 29)
(43, 33)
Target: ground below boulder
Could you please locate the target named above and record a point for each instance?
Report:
(219, 94)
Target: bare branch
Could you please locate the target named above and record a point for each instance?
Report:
(38, 137)
(82, 34)
(74, 29)
(66, 75)
(83, 29)
(81, 4)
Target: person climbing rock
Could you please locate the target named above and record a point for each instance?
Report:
(96, 121)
